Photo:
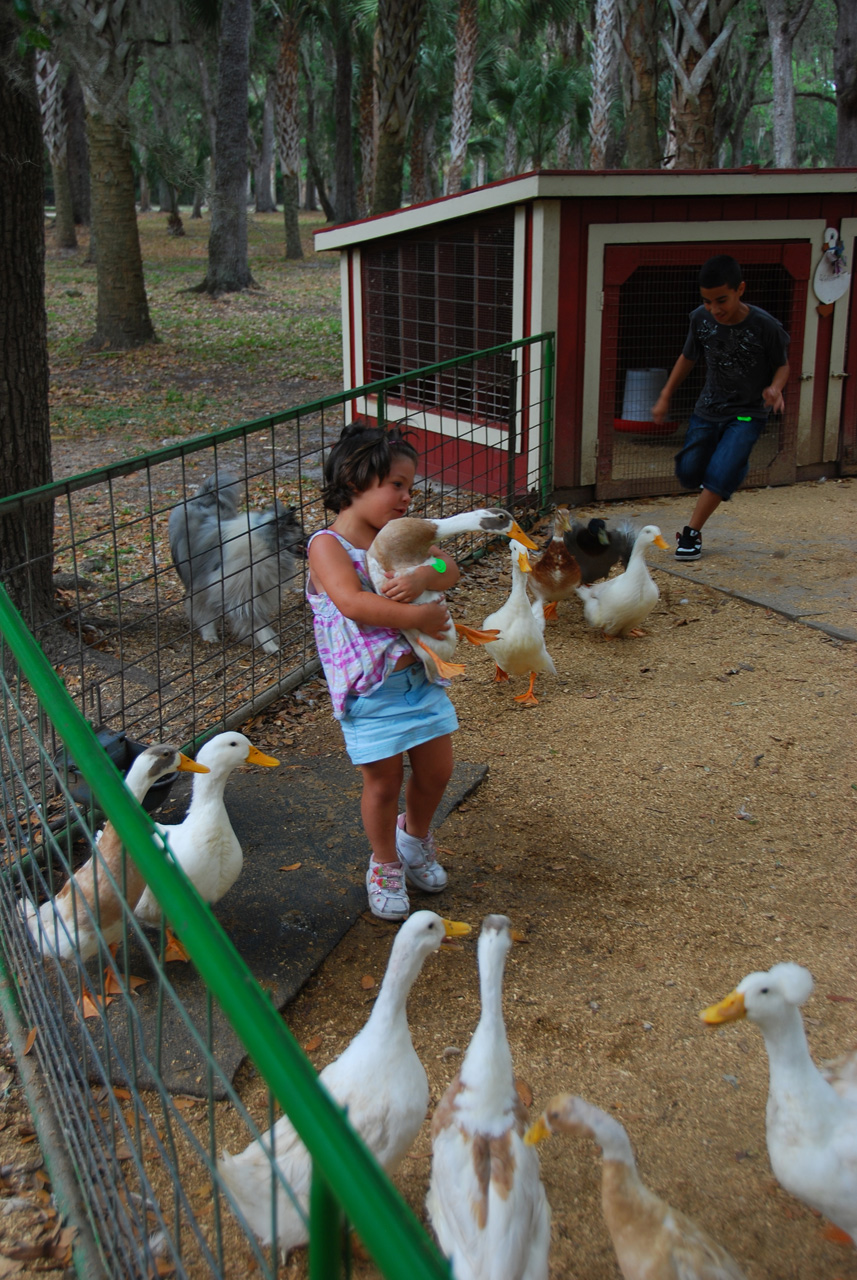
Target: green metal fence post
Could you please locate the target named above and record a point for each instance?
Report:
(325, 1231)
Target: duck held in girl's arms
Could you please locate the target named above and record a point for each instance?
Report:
(407, 544)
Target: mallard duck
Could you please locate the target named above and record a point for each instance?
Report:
(485, 1200)
(378, 1078)
(520, 649)
(652, 1240)
(811, 1124)
(89, 907)
(556, 572)
(204, 844)
(597, 548)
(620, 605)
(408, 543)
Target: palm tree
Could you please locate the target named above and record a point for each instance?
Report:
(700, 35)
(397, 50)
(603, 81)
(52, 106)
(288, 121)
(466, 51)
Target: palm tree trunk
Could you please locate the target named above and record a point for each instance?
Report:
(287, 116)
(603, 78)
(25, 539)
(346, 196)
(845, 78)
(399, 25)
(122, 315)
(640, 42)
(466, 49)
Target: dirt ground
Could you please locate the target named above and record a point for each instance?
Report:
(677, 811)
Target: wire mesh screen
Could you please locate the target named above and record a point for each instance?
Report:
(179, 576)
(437, 295)
(130, 1041)
(644, 330)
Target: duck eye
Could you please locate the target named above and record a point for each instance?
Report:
(764, 991)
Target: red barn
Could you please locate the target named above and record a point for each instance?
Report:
(608, 260)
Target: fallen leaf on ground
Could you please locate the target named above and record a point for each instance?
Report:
(31, 1036)
(367, 981)
(312, 1044)
(293, 867)
(524, 1092)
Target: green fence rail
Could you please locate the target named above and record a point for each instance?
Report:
(347, 1179)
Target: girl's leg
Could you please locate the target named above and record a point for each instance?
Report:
(431, 770)
(379, 805)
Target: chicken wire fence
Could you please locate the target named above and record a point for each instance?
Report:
(133, 1155)
(136, 1160)
(140, 659)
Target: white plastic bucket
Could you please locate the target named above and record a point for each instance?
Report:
(642, 388)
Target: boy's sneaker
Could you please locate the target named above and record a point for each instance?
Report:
(419, 859)
(688, 544)
(385, 885)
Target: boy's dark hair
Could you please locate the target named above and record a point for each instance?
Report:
(720, 269)
(361, 455)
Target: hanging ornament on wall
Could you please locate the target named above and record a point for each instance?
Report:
(832, 277)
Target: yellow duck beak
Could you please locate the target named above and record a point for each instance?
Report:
(456, 929)
(255, 756)
(186, 765)
(524, 564)
(730, 1009)
(518, 534)
(662, 543)
(537, 1132)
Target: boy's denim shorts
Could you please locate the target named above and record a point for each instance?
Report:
(405, 711)
(716, 455)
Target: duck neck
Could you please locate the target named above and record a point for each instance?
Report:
(207, 787)
(519, 584)
(449, 526)
(389, 1017)
(791, 1066)
(488, 1056)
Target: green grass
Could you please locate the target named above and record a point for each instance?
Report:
(216, 361)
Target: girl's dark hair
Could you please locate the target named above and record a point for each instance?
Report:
(361, 455)
(721, 269)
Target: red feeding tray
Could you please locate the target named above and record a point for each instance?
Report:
(630, 425)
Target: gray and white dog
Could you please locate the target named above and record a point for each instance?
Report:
(235, 566)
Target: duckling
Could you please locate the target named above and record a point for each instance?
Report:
(620, 605)
(378, 1079)
(556, 572)
(811, 1122)
(485, 1200)
(89, 907)
(597, 548)
(652, 1240)
(408, 543)
(204, 844)
(520, 648)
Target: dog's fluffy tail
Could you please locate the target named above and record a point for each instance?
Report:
(194, 526)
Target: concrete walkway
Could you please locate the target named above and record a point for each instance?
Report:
(791, 549)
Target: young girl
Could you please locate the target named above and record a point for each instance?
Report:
(379, 689)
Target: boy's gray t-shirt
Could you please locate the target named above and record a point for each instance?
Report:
(740, 361)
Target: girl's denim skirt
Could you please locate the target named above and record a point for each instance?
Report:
(404, 712)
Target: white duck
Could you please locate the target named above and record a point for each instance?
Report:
(89, 907)
(378, 1078)
(811, 1123)
(204, 844)
(485, 1200)
(408, 543)
(620, 605)
(652, 1240)
(520, 649)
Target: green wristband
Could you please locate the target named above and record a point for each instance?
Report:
(439, 564)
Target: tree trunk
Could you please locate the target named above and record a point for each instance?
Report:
(228, 264)
(700, 38)
(25, 440)
(603, 81)
(287, 117)
(783, 29)
(265, 202)
(64, 233)
(640, 43)
(145, 192)
(399, 24)
(366, 118)
(466, 49)
(419, 178)
(845, 78)
(122, 315)
(77, 151)
(346, 197)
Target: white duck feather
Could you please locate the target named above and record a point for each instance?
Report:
(619, 606)
(520, 648)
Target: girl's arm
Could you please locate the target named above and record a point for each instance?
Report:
(332, 571)
(406, 587)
